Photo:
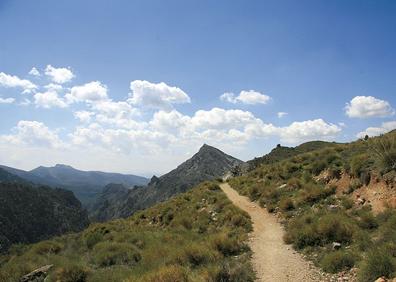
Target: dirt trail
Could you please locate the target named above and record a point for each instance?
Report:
(273, 260)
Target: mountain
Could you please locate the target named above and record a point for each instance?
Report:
(208, 163)
(31, 213)
(85, 184)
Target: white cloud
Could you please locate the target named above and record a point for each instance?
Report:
(281, 114)
(7, 100)
(250, 97)
(90, 92)
(156, 95)
(83, 116)
(59, 75)
(33, 133)
(53, 86)
(34, 72)
(368, 106)
(11, 81)
(309, 130)
(48, 100)
(375, 131)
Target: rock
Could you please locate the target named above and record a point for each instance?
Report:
(361, 201)
(381, 279)
(37, 275)
(336, 245)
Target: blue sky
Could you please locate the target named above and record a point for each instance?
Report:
(304, 58)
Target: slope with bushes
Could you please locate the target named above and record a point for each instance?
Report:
(197, 236)
(334, 226)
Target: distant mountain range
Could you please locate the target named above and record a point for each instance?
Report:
(84, 184)
(30, 213)
(117, 201)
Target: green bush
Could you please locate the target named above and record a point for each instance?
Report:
(196, 255)
(171, 273)
(226, 245)
(47, 247)
(378, 263)
(111, 253)
(71, 273)
(286, 204)
(335, 228)
(337, 261)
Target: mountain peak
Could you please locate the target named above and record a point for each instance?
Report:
(63, 166)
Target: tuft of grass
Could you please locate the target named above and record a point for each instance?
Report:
(337, 261)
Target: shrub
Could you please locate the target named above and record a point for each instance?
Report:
(226, 245)
(384, 149)
(286, 204)
(71, 273)
(335, 227)
(353, 185)
(171, 273)
(338, 261)
(196, 255)
(378, 263)
(111, 253)
(47, 247)
(234, 271)
(93, 238)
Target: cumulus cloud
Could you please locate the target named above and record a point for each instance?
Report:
(156, 95)
(317, 129)
(250, 97)
(375, 131)
(11, 81)
(281, 114)
(90, 92)
(53, 86)
(33, 133)
(368, 106)
(34, 72)
(83, 116)
(59, 75)
(49, 99)
(7, 100)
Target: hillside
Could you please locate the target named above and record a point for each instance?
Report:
(33, 213)
(85, 184)
(337, 204)
(207, 164)
(280, 153)
(196, 236)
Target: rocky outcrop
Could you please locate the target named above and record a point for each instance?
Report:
(37, 275)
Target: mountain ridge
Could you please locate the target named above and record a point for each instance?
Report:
(208, 163)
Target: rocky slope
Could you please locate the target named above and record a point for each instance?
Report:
(208, 163)
(85, 184)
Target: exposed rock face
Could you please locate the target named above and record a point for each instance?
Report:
(208, 163)
(32, 213)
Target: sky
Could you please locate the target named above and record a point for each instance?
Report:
(138, 86)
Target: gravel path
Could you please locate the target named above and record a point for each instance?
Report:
(273, 260)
